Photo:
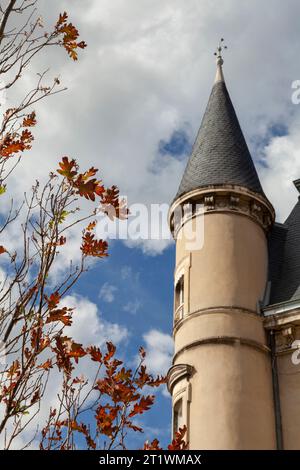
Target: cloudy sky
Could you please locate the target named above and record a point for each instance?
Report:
(133, 106)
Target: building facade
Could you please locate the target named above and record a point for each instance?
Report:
(235, 378)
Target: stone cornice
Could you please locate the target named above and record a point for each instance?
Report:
(283, 319)
(178, 372)
(215, 310)
(230, 340)
(218, 199)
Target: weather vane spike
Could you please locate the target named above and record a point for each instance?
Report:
(218, 54)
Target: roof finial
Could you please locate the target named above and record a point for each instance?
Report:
(220, 61)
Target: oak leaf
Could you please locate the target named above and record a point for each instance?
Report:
(143, 405)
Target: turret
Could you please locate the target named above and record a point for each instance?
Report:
(221, 378)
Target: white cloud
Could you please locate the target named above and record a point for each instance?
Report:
(283, 157)
(107, 292)
(159, 348)
(129, 274)
(126, 272)
(148, 71)
(132, 306)
(89, 327)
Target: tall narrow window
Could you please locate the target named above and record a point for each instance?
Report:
(177, 416)
(179, 299)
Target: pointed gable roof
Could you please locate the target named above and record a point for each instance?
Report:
(220, 154)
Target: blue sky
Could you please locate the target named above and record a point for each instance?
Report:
(149, 281)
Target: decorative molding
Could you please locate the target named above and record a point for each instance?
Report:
(178, 372)
(283, 321)
(209, 203)
(234, 202)
(179, 313)
(231, 340)
(283, 309)
(184, 264)
(183, 268)
(223, 199)
(215, 310)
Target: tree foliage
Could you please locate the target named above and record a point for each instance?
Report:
(34, 320)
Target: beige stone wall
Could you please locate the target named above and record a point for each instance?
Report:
(231, 268)
(231, 403)
(284, 323)
(289, 386)
(222, 337)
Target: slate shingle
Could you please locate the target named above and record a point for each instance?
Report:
(220, 154)
(284, 264)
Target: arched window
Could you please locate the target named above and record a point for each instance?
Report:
(179, 299)
(177, 416)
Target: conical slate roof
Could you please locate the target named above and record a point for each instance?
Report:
(220, 154)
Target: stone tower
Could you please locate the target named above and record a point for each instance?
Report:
(221, 380)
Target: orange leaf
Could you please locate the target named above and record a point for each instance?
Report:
(76, 351)
(178, 442)
(154, 445)
(95, 354)
(68, 168)
(143, 405)
(53, 300)
(60, 315)
(29, 120)
(111, 349)
(47, 365)
(91, 226)
(92, 247)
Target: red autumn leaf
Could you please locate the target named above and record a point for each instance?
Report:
(69, 36)
(68, 168)
(2, 250)
(77, 427)
(111, 196)
(15, 143)
(105, 416)
(111, 349)
(62, 18)
(91, 226)
(99, 190)
(14, 369)
(46, 366)
(93, 247)
(142, 352)
(143, 405)
(154, 445)
(90, 442)
(61, 241)
(123, 375)
(53, 300)
(133, 427)
(86, 189)
(178, 442)
(76, 351)
(35, 397)
(29, 120)
(95, 354)
(62, 315)
(88, 174)
(112, 206)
